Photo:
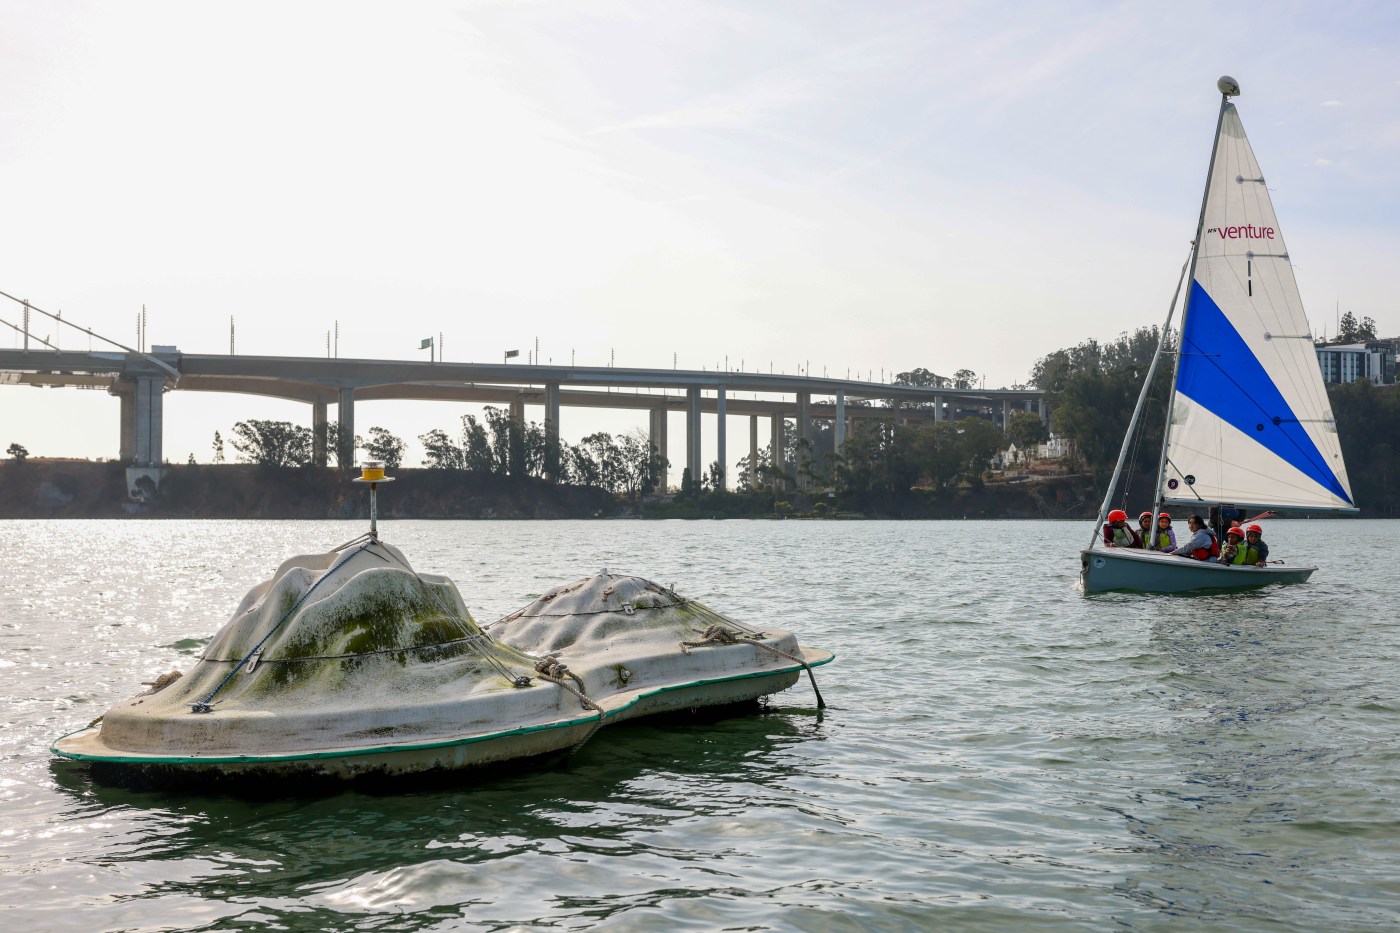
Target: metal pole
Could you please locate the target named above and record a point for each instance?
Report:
(374, 511)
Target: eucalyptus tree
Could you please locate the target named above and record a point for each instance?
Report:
(272, 443)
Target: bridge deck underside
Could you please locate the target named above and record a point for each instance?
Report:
(322, 382)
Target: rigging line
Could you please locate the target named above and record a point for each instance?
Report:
(352, 542)
(33, 336)
(1132, 465)
(1189, 486)
(455, 616)
(88, 330)
(360, 654)
(1249, 491)
(1214, 456)
(203, 706)
(1142, 400)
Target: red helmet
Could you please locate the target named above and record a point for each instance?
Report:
(1236, 531)
(1117, 515)
(1144, 515)
(1254, 528)
(1166, 516)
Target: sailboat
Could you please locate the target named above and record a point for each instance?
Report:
(1249, 424)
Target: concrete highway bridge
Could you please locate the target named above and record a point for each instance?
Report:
(141, 380)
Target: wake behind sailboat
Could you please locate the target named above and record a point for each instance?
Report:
(1249, 424)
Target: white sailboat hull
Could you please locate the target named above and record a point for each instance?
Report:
(1112, 569)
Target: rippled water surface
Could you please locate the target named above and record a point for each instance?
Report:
(999, 753)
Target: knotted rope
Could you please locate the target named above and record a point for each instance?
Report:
(720, 635)
(549, 668)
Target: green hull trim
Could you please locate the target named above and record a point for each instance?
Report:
(419, 746)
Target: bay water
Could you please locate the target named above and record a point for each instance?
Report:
(998, 751)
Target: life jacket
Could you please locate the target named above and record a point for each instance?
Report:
(1244, 554)
(1204, 553)
(1123, 537)
(1164, 541)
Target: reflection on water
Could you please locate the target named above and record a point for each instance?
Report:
(999, 752)
(635, 797)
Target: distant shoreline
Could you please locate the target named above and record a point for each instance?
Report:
(80, 489)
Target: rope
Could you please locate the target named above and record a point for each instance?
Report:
(1132, 468)
(551, 670)
(204, 706)
(468, 640)
(452, 614)
(719, 635)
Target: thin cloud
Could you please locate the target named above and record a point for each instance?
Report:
(737, 110)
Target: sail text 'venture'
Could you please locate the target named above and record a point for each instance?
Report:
(1247, 232)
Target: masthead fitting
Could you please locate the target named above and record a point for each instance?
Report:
(1228, 86)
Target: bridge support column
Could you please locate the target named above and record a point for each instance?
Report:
(804, 433)
(721, 439)
(840, 426)
(692, 435)
(126, 451)
(1005, 416)
(753, 452)
(775, 452)
(938, 413)
(1040, 405)
(551, 431)
(516, 453)
(318, 433)
(147, 422)
(657, 436)
(804, 416)
(345, 430)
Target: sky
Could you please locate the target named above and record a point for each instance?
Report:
(846, 188)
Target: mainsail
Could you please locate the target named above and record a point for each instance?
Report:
(1250, 421)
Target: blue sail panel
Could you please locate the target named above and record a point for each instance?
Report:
(1220, 373)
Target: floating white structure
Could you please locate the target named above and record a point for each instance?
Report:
(351, 663)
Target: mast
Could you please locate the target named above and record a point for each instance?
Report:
(1141, 403)
(1228, 87)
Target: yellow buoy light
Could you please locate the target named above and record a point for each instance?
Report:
(372, 471)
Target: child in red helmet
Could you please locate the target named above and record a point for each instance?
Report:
(1232, 552)
(1116, 532)
(1166, 535)
(1258, 551)
(1144, 528)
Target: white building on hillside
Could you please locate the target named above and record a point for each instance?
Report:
(1348, 362)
